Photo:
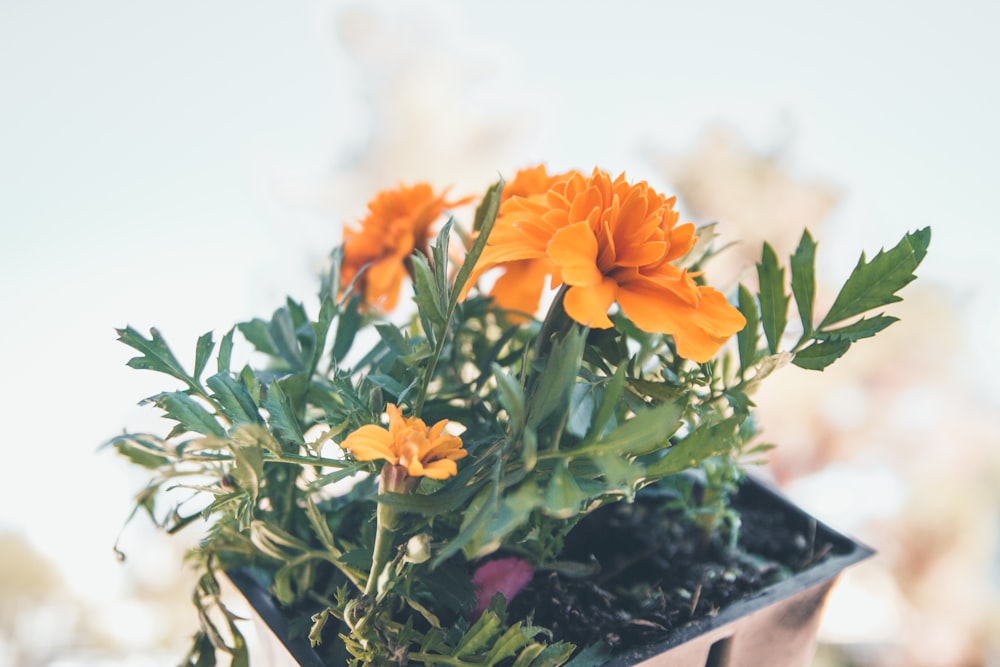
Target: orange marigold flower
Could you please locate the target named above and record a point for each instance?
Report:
(398, 222)
(408, 443)
(611, 241)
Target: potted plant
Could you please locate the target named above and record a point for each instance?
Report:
(469, 484)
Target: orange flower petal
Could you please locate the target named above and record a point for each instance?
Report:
(370, 443)
(698, 332)
(589, 305)
(574, 250)
(440, 469)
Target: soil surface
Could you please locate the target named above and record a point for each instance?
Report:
(657, 573)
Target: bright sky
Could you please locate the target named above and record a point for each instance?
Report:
(147, 153)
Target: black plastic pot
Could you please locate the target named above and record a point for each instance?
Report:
(775, 627)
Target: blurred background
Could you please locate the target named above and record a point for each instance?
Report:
(186, 165)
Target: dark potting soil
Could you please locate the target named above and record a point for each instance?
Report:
(656, 573)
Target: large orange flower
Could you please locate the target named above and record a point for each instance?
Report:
(398, 222)
(408, 443)
(611, 241)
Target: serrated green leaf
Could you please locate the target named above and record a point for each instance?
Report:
(480, 635)
(189, 413)
(256, 332)
(702, 443)
(803, 265)
(819, 355)
(773, 299)
(874, 284)
(508, 644)
(866, 327)
(748, 337)
(233, 398)
(282, 418)
(156, 354)
(394, 339)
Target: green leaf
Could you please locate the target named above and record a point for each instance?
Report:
(748, 337)
(511, 399)
(804, 280)
(609, 403)
(513, 512)
(425, 293)
(202, 352)
(440, 253)
(819, 355)
(874, 284)
(773, 299)
(486, 215)
(282, 417)
(282, 338)
(225, 351)
(144, 450)
(645, 432)
(556, 379)
(248, 471)
(563, 497)
(189, 413)
(866, 327)
(233, 398)
(428, 504)
(594, 655)
(156, 355)
(347, 328)
(702, 443)
(394, 339)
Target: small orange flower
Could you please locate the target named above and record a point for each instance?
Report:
(398, 222)
(408, 443)
(611, 241)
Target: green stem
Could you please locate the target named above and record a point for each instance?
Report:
(386, 519)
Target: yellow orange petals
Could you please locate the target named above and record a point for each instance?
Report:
(370, 443)
(520, 287)
(399, 222)
(698, 330)
(408, 443)
(589, 305)
(574, 250)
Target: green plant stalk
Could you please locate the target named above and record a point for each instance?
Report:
(393, 479)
